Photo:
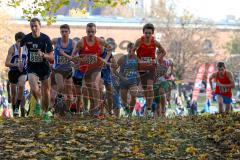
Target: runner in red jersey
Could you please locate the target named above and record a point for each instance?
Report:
(146, 47)
(224, 85)
(90, 49)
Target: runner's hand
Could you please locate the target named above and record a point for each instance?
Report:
(61, 51)
(219, 84)
(20, 66)
(76, 59)
(40, 53)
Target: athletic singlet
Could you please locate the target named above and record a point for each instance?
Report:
(92, 53)
(59, 59)
(91, 50)
(105, 68)
(224, 91)
(129, 69)
(15, 57)
(146, 52)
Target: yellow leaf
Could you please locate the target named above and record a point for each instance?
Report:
(140, 155)
(203, 156)
(135, 149)
(191, 150)
(81, 129)
(58, 157)
(42, 135)
(73, 142)
(45, 151)
(216, 138)
(8, 146)
(84, 11)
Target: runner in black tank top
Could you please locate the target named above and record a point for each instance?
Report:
(39, 54)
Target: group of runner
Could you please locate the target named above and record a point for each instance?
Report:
(64, 72)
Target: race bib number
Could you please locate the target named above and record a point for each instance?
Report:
(90, 59)
(62, 60)
(35, 57)
(129, 73)
(146, 60)
(224, 89)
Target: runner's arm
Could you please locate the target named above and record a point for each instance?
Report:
(113, 63)
(232, 82)
(48, 52)
(69, 57)
(77, 48)
(160, 48)
(213, 76)
(22, 43)
(108, 47)
(136, 46)
(119, 63)
(8, 58)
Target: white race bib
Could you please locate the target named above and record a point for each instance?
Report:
(62, 60)
(90, 59)
(35, 57)
(146, 60)
(129, 73)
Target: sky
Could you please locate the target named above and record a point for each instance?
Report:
(213, 9)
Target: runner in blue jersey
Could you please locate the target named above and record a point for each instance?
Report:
(17, 75)
(63, 48)
(129, 78)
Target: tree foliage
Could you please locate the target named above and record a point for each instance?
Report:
(182, 36)
(233, 46)
(47, 8)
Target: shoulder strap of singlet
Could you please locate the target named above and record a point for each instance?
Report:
(70, 44)
(84, 41)
(59, 42)
(14, 49)
(225, 74)
(97, 42)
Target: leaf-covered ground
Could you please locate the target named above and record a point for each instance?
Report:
(202, 137)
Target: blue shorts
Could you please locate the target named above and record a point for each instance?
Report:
(226, 100)
(78, 74)
(116, 101)
(106, 76)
